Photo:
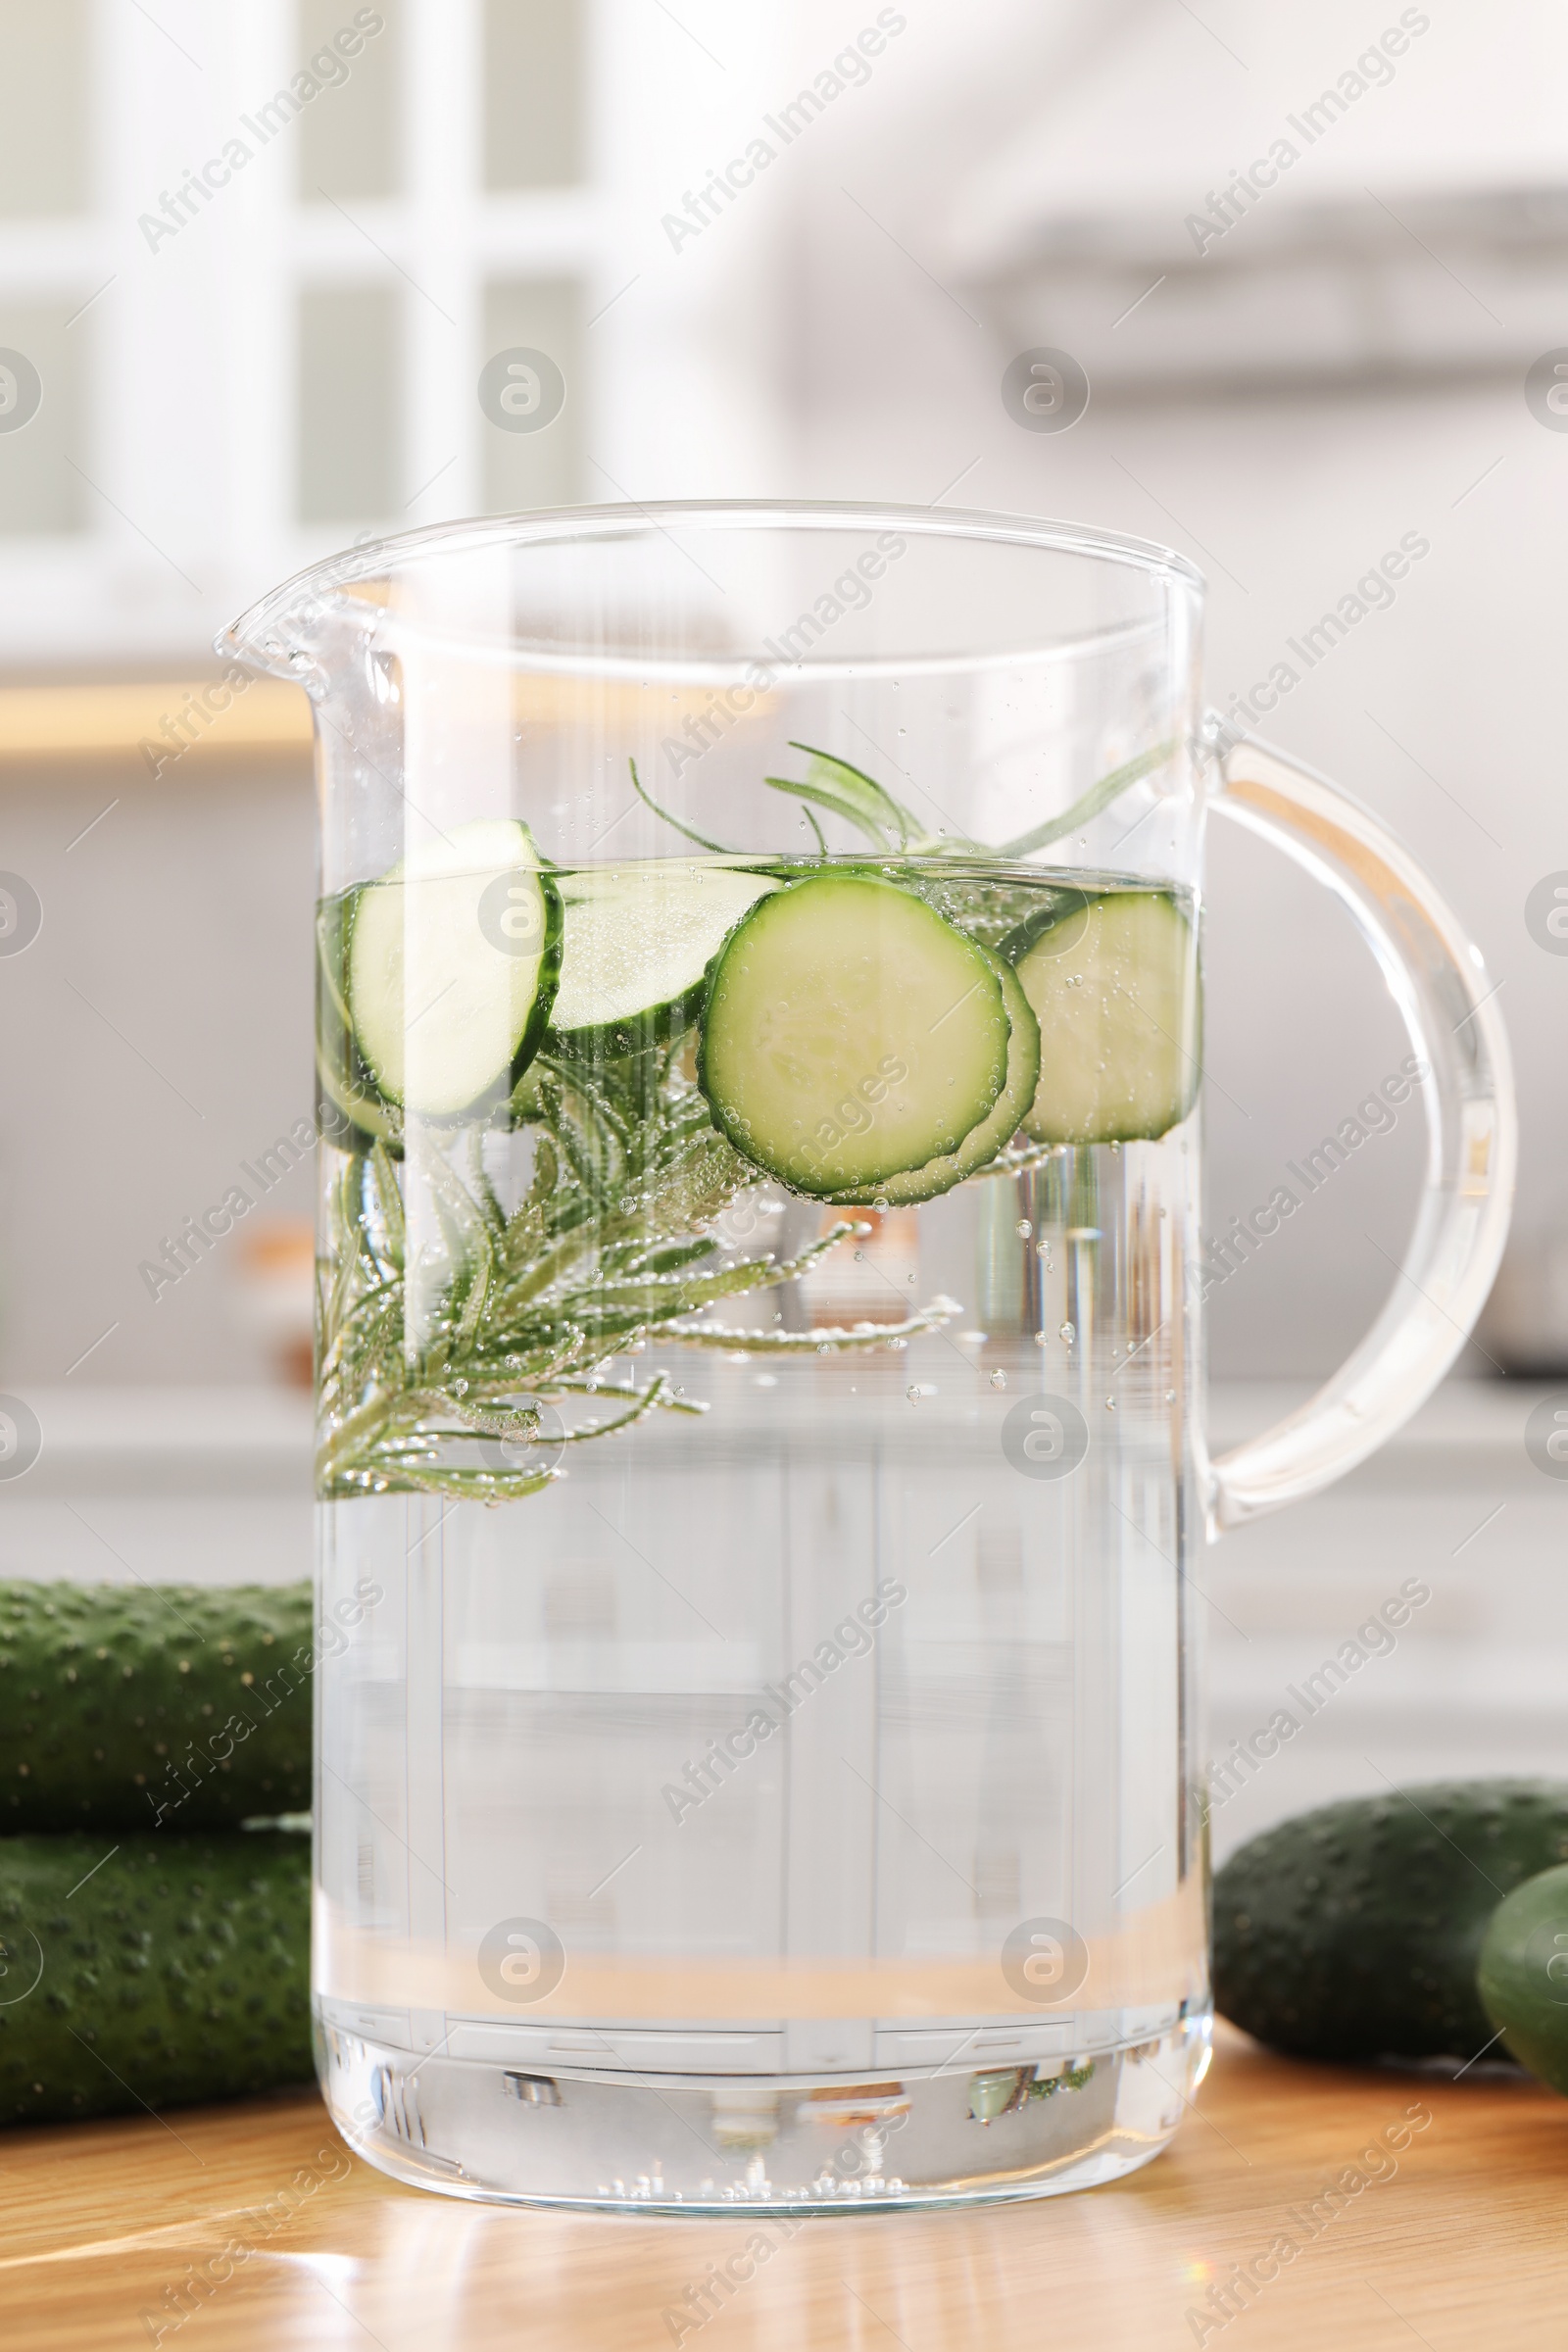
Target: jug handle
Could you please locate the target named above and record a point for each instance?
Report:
(1435, 977)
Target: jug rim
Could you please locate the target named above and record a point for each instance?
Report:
(260, 635)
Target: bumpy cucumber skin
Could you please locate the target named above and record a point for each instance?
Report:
(118, 1698)
(1529, 2007)
(182, 1966)
(1354, 1931)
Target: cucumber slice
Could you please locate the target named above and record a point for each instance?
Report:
(1113, 984)
(348, 1113)
(994, 1131)
(636, 945)
(852, 1034)
(452, 964)
(349, 1110)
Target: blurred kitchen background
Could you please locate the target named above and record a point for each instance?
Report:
(253, 262)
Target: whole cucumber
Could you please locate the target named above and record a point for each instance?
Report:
(124, 1705)
(174, 1970)
(1523, 1975)
(1354, 1931)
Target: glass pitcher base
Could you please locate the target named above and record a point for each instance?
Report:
(759, 2143)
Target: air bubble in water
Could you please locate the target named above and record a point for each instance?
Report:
(913, 1395)
(1042, 1338)
(1110, 1404)
(1069, 1333)
(999, 1380)
(1024, 1229)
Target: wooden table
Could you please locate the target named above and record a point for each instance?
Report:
(1462, 2244)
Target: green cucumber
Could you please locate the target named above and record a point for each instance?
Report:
(1354, 1931)
(851, 1034)
(636, 947)
(1522, 1975)
(121, 1704)
(350, 1110)
(994, 1131)
(451, 968)
(166, 1970)
(1113, 984)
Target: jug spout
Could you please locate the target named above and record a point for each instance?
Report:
(307, 628)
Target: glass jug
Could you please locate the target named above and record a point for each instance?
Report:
(760, 1749)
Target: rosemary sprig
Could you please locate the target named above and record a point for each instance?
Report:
(822, 1339)
(608, 1252)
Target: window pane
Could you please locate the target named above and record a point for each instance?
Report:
(43, 107)
(350, 405)
(348, 131)
(533, 94)
(43, 365)
(543, 467)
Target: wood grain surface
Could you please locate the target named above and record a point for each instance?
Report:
(1459, 2240)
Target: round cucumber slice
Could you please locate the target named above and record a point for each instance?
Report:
(636, 945)
(1114, 987)
(994, 1131)
(852, 1034)
(452, 964)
